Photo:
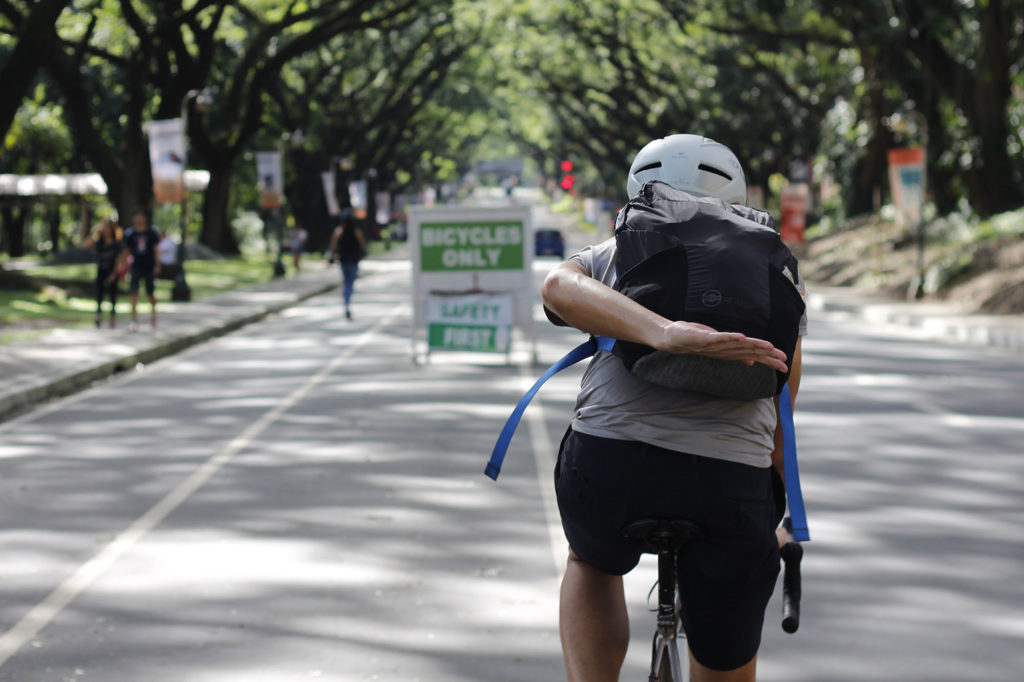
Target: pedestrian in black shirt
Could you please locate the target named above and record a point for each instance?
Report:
(348, 245)
(142, 245)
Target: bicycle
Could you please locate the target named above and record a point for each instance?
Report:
(666, 538)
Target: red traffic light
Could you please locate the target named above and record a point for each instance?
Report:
(566, 166)
(567, 181)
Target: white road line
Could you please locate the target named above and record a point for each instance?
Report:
(43, 613)
(544, 457)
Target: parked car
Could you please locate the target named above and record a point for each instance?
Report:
(549, 242)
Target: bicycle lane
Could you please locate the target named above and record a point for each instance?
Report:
(337, 524)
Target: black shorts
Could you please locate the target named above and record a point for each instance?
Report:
(725, 581)
(142, 276)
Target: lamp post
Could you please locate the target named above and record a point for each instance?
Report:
(204, 100)
(345, 165)
(295, 138)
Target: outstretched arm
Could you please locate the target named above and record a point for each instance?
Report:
(592, 307)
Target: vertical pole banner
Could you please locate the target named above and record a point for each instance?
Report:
(794, 212)
(327, 177)
(906, 182)
(383, 201)
(357, 194)
(271, 179)
(167, 160)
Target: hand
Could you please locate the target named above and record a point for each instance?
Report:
(699, 339)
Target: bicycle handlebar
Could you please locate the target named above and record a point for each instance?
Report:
(792, 553)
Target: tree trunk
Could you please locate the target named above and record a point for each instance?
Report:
(871, 172)
(14, 230)
(136, 182)
(308, 204)
(995, 182)
(53, 217)
(216, 230)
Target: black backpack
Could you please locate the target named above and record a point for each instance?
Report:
(703, 260)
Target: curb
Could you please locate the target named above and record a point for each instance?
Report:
(50, 387)
(935, 320)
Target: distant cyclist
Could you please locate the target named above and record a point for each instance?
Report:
(637, 450)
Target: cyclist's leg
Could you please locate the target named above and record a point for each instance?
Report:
(745, 673)
(593, 623)
(726, 583)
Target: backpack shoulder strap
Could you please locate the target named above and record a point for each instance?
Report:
(580, 352)
(797, 513)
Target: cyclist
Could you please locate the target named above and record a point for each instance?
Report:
(636, 450)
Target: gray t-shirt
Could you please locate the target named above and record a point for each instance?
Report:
(612, 403)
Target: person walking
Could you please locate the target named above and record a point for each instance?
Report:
(635, 449)
(110, 260)
(168, 256)
(297, 244)
(348, 246)
(142, 245)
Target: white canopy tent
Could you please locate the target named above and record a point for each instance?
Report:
(80, 185)
(76, 184)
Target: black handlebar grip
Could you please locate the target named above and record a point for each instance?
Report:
(792, 553)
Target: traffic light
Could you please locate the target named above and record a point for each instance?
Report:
(567, 177)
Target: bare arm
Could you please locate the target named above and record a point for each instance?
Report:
(592, 307)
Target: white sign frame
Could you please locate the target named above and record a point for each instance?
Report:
(474, 274)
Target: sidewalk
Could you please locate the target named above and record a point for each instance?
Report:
(67, 360)
(940, 321)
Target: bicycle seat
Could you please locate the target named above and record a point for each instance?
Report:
(659, 534)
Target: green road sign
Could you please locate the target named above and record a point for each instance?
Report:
(471, 246)
(476, 322)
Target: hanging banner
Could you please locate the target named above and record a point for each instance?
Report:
(357, 193)
(794, 212)
(906, 181)
(167, 160)
(271, 179)
(327, 177)
(473, 322)
(383, 200)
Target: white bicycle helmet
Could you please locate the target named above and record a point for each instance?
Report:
(690, 163)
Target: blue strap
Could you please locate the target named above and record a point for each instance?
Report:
(797, 513)
(580, 352)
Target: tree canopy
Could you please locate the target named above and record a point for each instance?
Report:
(414, 92)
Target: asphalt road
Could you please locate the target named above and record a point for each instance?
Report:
(298, 500)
